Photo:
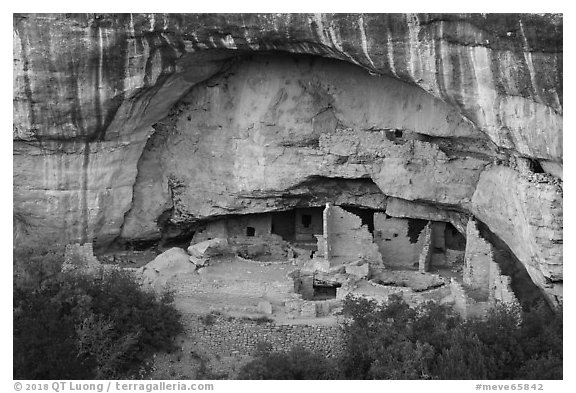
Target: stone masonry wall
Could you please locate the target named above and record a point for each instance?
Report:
(466, 306)
(80, 256)
(262, 224)
(500, 289)
(427, 249)
(478, 258)
(391, 235)
(348, 240)
(235, 226)
(213, 229)
(227, 336)
(315, 226)
(460, 298)
(484, 283)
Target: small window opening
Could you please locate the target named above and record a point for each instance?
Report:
(398, 133)
(250, 231)
(306, 220)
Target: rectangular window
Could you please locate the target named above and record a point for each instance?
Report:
(306, 220)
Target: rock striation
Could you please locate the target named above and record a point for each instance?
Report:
(129, 126)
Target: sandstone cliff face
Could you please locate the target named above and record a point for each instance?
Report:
(527, 215)
(273, 127)
(122, 122)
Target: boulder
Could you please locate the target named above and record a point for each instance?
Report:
(209, 248)
(165, 267)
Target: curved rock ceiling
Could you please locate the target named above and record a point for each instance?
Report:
(121, 120)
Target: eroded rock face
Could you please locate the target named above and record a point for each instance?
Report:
(123, 123)
(527, 215)
(272, 132)
(502, 71)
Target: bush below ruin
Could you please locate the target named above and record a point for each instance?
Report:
(395, 341)
(79, 326)
(297, 364)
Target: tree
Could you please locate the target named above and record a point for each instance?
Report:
(78, 326)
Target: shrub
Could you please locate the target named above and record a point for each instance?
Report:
(209, 319)
(298, 364)
(33, 268)
(384, 342)
(75, 326)
(395, 341)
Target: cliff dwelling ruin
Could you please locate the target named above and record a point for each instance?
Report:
(265, 168)
(332, 252)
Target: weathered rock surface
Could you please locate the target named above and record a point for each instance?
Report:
(527, 216)
(498, 69)
(165, 267)
(124, 123)
(209, 248)
(396, 207)
(276, 132)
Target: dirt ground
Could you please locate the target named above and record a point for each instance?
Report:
(234, 286)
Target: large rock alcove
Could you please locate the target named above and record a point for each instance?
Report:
(134, 128)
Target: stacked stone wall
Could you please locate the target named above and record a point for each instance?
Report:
(315, 227)
(478, 259)
(80, 256)
(501, 290)
(347, 239)
(465, 305)
(235, 226)
(227, 336)
(427, 249)
(391, 236)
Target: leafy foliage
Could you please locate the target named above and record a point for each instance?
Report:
(76, 326)
(395, 341)
(430, 341)
(297, 364)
